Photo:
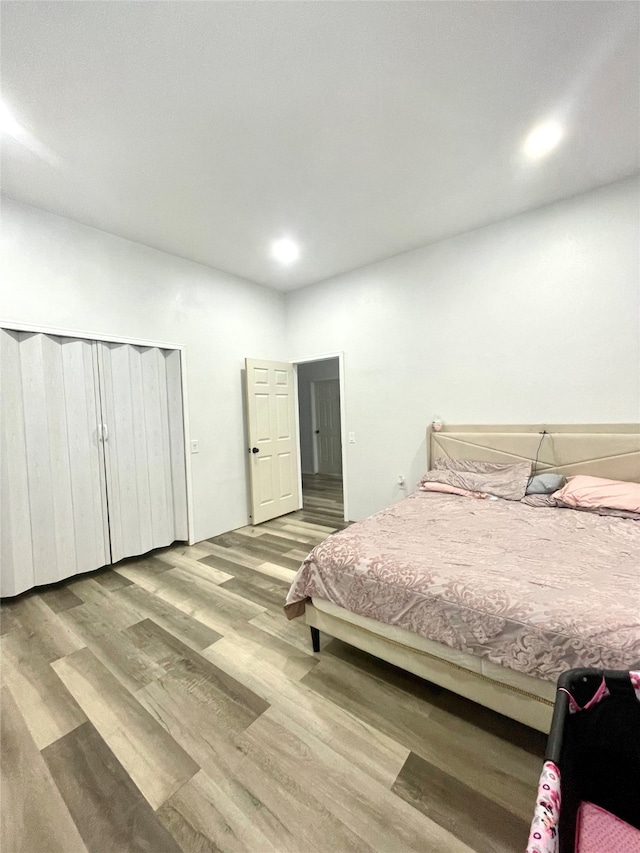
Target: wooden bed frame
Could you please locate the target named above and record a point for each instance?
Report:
(602, 450)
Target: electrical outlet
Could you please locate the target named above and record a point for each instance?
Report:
(195, 448)
(352, 438)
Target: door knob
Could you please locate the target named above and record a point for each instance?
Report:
(255, 450)
(317, 432)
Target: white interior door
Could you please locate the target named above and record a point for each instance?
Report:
(273, 439)
(328, 429)
(141, 401)
(52, 498)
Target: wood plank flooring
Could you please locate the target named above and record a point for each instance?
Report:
(166, 704)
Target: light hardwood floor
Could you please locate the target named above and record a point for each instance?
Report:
(167, 704)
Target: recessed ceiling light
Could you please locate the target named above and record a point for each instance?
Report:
(285, 250)
(542, 139)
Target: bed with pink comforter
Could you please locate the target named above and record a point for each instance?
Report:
(538, 590)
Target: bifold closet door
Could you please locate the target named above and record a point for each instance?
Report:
(52, 491)
(141, 397)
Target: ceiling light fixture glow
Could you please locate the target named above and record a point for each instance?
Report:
(11, 127)
(8, 124)
(542, 140)
(285, 250)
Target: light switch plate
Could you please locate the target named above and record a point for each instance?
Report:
(194, 445)
(352, 438)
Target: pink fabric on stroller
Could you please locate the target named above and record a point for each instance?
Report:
(599, 831)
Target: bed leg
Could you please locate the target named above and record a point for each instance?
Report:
(315, 639)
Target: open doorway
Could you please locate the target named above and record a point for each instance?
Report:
(321, 437)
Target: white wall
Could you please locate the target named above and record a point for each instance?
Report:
(533, 319)
(308, 373)
(59, 273)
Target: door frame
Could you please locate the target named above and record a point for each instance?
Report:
(118, 339)
(314, 426)
(343, 421)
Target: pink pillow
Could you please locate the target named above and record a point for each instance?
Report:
(590, 492)
(451, 490)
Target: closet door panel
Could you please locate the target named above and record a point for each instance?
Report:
(51, 457)
(154, 383)
(176, 441)
(138, 501)
(139, 451)
(86, 462)
(16, 555)
(127, 482)
(36, 417)
(59, 485)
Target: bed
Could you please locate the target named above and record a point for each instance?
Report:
(507, 611)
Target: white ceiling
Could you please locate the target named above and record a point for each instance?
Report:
(361, 129)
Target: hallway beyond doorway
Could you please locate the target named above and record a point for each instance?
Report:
(322, 499)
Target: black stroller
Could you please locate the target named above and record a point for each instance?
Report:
(589, 792)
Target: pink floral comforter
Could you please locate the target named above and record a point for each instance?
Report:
(534, 589)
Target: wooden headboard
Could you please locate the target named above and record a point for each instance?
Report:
(601, 450)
